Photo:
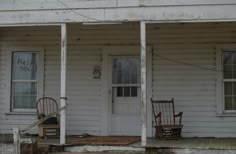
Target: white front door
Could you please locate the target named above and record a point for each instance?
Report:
(125, 108)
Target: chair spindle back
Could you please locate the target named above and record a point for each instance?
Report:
(166, 110)
(46, 106)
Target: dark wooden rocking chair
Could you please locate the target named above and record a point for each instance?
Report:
(50, 127)
(166, 123)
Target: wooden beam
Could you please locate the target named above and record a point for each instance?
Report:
(30, 25)
(63, 84)
(143, 82)
(156, 14)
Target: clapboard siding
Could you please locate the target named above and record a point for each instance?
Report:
(84, 52)
(193, 88)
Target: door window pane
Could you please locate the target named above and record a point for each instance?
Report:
(119, 91)
(125, 71)
(134, 91)
(126, 91)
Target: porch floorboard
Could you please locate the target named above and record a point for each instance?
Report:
(182, 143)
(193, 143)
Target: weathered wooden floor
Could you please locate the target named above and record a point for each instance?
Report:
(193, 143)
(183, 143)
(177, 146)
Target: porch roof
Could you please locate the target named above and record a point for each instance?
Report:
(154, 11)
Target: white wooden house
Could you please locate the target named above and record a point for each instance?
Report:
(91, 52)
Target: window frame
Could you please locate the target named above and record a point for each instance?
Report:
(220, 92)
(40, 75)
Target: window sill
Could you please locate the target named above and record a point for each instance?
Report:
(226, 115)
(20, 113)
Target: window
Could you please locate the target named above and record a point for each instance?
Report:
(229, 80)
(125, 77)
(24, 80)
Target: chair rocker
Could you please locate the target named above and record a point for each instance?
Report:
(166, 123)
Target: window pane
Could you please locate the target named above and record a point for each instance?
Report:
(24, 66)
(228, 102)
(234, 103)
(119, 91)
(24, 94)
(134, 91)
(134, 78)
(228, 74)
(24, 88)
(228, 58)
(228, 88)
(24, 102)
(126, 91)
(229, 67)
(233, 57)
(125, 71)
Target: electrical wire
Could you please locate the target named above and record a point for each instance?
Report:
(188, 64)
(184, 63)
(82, 15)
(164, 58)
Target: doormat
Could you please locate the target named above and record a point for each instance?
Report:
(107, 140)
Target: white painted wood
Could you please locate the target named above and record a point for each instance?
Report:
(107, 52)
(16, 138)
(124, 111)
(143, 62)
(219, 82)
(149, 89)
(63, 83)
(164, 13)
(10, 5)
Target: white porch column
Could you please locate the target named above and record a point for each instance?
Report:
(63, 84)
(143, 82)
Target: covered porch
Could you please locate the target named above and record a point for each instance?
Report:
(178, 60)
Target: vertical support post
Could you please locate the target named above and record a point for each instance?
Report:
(143, 82)
(16, 138)
(63, 84)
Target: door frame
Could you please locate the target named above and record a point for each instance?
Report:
(107, 52)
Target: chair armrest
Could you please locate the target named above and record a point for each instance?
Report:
(180, 117)
(157, 118)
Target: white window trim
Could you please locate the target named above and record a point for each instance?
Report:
(220, 111)
(40, 85)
